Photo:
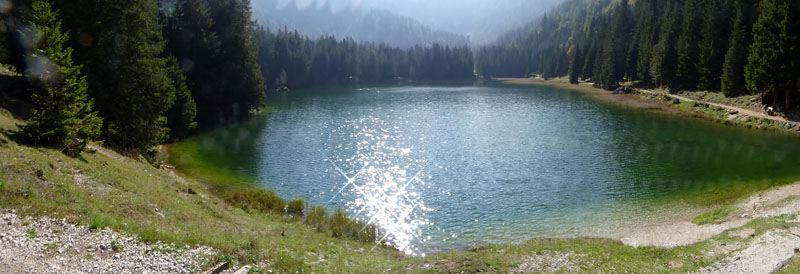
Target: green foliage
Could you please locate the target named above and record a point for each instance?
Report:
(713, 216)
(664, 66)
(121, 45)
(255, 199)
(690, 44)
(62, 114)
(32, 233)
(180, 118)
(733, 80)
(687, 45)
(295, 207)
(316, 217)
(574, 66)
(290, 59)
(773, 61)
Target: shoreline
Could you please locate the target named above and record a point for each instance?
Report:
(676, 104)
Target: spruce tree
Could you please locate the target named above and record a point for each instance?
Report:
(120, 43)
(664, 65)
(62, 113)
(193, 40)
(771, 67)
(575, 65)
(733, 80)
(686, 70)
(713, 42)
(181, 117)
(647, 25)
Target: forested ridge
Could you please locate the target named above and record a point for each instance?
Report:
(290, 59)
(137, 73)
(733, 46)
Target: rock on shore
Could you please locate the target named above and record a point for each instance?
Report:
(47, 245)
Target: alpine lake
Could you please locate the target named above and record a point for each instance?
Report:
(439, 168)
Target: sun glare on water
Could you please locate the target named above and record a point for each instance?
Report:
(383, 179)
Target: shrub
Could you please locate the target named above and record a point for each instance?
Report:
(260, 200)
(296, 207)
(316, 218)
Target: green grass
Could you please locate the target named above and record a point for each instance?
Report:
(105, 189)
(247, 225)
(713, 216)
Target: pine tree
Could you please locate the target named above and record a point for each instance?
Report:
(772, 67)
(120, 43)
(180, 118)
(733, 80)
(686, 71)
(664, 65)
(240, 80)
(575, 65)
(192, 39)
(713, 40)
(647, 25)
(62, 113)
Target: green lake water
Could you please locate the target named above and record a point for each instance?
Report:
(442, 168)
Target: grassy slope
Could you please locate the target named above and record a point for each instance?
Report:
(105, 189)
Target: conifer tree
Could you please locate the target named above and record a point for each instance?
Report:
(733, 80)
(181, 117)
(575, 65)
(772, 64)
(120, 43)
(664, 65)
(714, 36)
(62, 113)
(686, 70)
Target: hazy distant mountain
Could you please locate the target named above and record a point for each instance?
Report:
(347, 21)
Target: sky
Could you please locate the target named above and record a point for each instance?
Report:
(482, 20)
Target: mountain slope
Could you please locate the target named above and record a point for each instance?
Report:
(362, 25)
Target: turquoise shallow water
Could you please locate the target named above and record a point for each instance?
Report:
(441, 168)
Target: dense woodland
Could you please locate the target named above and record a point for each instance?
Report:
(734, 46)
(290, 59)
(137, 73)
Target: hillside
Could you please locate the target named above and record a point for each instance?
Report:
(734, 47)
(377, 26)
(105, 189)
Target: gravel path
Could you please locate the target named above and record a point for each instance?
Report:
(768, 254)
(46, 245)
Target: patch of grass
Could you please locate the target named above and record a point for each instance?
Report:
(100, 221)
(296, 207)
(713, 216)
(792, 268)
(255, 200)
(593, 255)
(116, 246)
(32, 233)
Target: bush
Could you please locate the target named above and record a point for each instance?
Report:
(316, 218)
(296, 207)
(260, 200)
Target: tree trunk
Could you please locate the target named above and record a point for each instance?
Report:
(788, 102)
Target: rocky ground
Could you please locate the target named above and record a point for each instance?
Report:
(46, 245)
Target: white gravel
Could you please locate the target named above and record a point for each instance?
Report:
(47, 245)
